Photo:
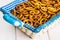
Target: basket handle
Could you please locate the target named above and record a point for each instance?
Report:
(12, 21)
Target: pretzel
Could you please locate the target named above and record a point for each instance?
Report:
(44, 8)
(52, 9)
(14, 12)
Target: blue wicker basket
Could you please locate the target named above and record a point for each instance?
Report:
(13, 20)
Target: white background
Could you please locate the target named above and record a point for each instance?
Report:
(7, 31)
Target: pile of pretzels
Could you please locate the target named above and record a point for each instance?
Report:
(36, 12)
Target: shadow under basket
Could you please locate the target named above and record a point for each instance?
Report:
(26, 28)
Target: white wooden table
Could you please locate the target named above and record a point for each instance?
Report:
(8, 32)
